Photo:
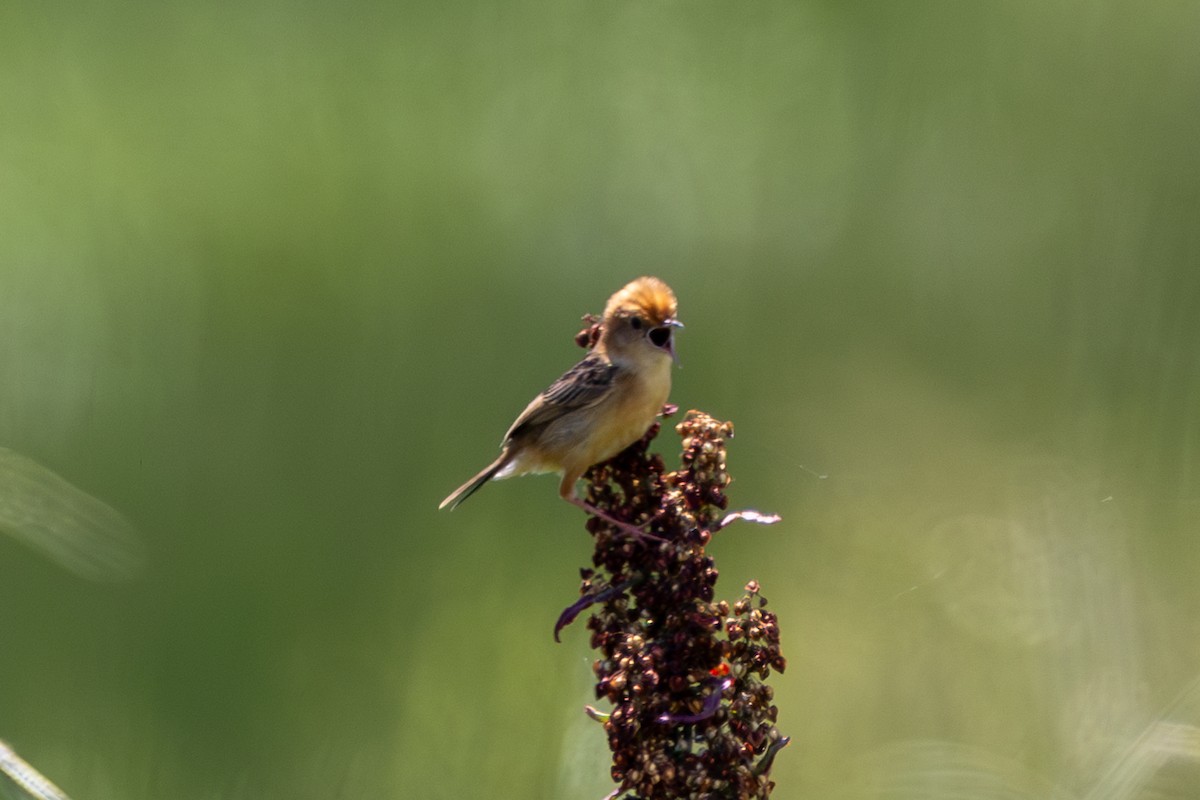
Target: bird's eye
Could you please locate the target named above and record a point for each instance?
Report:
(660, 337)
(636, 323)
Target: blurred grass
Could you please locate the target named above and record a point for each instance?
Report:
(274, 278)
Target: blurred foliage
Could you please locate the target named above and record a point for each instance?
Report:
(275, 277)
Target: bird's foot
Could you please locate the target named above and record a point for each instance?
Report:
(628, 528)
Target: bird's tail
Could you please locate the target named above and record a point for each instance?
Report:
(469, 488)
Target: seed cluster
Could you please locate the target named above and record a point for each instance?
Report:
(692, 716)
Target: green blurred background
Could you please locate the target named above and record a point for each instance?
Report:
(274, 278)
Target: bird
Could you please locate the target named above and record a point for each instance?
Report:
(598, 407)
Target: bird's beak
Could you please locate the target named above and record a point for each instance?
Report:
(672, 323)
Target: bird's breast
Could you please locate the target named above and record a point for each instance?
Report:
(625, 415)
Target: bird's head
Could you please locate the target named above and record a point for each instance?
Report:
(639, 321)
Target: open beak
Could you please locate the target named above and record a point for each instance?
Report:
(672, 323)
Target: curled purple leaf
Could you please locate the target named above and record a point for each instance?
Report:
(711, 704)
(764, 763)
(749, 515)
(572, 611)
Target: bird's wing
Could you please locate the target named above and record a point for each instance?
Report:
(583, 385)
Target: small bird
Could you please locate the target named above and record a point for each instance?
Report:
(601, 405)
